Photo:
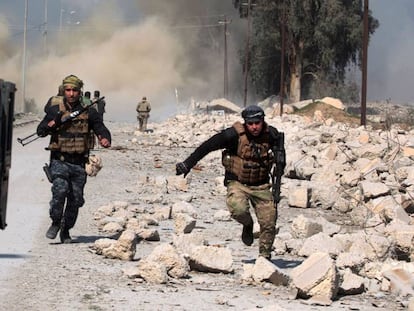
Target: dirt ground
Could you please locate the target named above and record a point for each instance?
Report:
(41, 274)
(386, 115)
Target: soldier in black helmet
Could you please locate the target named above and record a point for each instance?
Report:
(250, 149)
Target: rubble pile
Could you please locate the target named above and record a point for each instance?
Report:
(363, 176)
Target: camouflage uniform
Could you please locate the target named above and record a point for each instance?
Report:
(238, 198)
(68, 183)
(143, 109)
(248, 160)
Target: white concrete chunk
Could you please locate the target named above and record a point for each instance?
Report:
(316, 276)
(211, 259)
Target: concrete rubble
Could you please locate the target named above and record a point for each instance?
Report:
(363, 175)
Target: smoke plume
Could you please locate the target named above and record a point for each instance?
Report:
(168, 51)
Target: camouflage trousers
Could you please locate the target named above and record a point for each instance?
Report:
(143, 120)
(239, 199)
(67, 188)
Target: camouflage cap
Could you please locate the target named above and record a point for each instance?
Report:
(73, 81)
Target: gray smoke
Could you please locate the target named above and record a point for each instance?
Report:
(390, 66)
(169, 51)
(159, 49)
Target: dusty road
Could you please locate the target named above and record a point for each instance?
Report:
(26, 203)
(40, 274)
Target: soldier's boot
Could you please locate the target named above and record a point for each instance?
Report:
(64, 236)
(246, 220)
(265, 251)
(53, 230)
(266, 256)
(247, 234)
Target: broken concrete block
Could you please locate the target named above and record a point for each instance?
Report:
(351, 284)
(299, 196)
(211, 259)
(402, 281)
(264, 270)
(316, 276)
(303, 227)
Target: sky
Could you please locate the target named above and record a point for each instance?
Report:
(390, 52)
(169, 51)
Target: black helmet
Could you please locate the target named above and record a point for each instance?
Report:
(88, 94)
(96, 94)
(253, 113)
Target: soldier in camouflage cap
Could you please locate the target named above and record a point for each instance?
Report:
(250, 149)
(69, 150)
(72, 81)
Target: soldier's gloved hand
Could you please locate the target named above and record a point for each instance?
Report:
(43, 132)
(181, 168)
(52, 125)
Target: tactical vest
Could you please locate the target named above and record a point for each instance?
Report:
(252, 163)
(143, 107)
(73, 136)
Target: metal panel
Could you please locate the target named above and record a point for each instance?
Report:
(7, 92)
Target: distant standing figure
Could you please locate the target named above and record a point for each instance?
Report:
(100, 105)
(88, 94)
(60, 90)
(143, 109)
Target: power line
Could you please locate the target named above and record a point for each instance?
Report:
(28, 29)
(99, 29)
(197, 26)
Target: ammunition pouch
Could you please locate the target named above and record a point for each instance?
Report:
(46, 169)
(226, 159)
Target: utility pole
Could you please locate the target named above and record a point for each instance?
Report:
(225, 22)
(226, 69)
(247, 52)
(60, 19)
(364, 65)
(282, 58)
(176, 99)
(26, 6)
(45, 30)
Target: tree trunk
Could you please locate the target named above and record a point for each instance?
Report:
(295, 67)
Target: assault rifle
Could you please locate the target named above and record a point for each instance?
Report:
(28, 139)
(279, 166)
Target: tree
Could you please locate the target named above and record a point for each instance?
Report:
(323, 38)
